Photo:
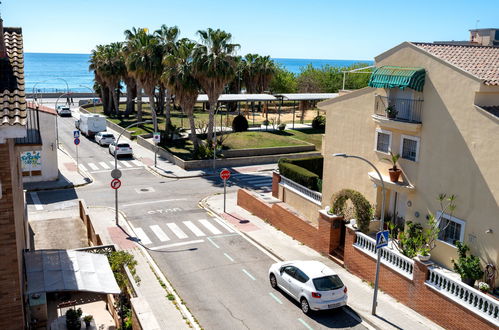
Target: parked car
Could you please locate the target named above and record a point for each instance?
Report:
(104, 138)
(120, 149)
(314, 285)
(63, 110)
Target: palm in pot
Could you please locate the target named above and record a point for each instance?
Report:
(394, 170)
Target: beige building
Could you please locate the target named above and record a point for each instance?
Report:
(446, 130)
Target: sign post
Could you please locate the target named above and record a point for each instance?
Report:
(225, 175)
(76, 136)
(156, 136)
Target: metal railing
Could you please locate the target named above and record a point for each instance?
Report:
(100, 249)
(408, 110)
(313, 196)
(465, 295)
(390, 258)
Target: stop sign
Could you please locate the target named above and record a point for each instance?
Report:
(225, 174)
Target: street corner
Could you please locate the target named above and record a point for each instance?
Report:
(240, 222)
(70, 167)
(147, 161)
(120, 238)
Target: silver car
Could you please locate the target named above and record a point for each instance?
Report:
(63, 110)
(122, 149)
(104, 138)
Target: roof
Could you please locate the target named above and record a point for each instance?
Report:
(312, 268)
(308, 96)
(12, 94)
(480, 61)
(41, 108)
(239, 97)
(396, 76)
(68, 270)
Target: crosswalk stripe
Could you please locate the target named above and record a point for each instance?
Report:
(176, 230)
(104, 165)
(112, 164)
(209, 226)
(221, 223)
(93, 166)
(159, 233)
(142, 236)
(136, 162)
(83, 167)
(127, 164)
(193, 228)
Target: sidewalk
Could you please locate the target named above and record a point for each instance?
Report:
(390, 313)
(69, 176)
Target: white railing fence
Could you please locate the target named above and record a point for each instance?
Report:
(471, 298)
(391, 258)
(311, 195)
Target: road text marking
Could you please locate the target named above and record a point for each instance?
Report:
(159, 233)
(210, 227)
(176, 230)
(193, 228)
(304, 323)
(275, 298)
(176, 244)
(249, 275)
(142, 236)
(152, 202)
(229, 257)
(36, 201)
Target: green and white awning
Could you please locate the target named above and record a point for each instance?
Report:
(398, 77)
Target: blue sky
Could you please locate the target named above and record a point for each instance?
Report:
(357, 30)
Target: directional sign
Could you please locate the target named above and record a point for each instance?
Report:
(115, 183)
(381, 239)
(116, 174)
(77, 141)
(225, 174)
(76, 134)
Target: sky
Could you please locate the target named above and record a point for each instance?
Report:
(311, 29)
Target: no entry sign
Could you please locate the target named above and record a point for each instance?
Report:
(225, 174)
(115, 183)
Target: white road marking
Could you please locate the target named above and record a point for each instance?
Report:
(249, 275)
(176, 230)
(104, 165)
(159, 233)
(136, 162)
(112, 164)
(142, 236)
(176, 244)
(93, 166)
(158, 201)
(229, 257)
(275, 298)
(36, 201)
(305, 324)
(124, 169)
(193, 228)
(214, 244)
(83, 167)
(221, 223)
(126, 163)
(209, 226)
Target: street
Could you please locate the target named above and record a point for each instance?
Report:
(220, 275)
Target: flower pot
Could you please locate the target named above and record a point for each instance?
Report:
(424, 258)
(468, 281)
(394, 174)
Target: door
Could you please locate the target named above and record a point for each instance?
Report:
(398, 207)
(287, 275)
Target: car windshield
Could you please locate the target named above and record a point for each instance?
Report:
(111, 136)
(124, 145)
(327, 283)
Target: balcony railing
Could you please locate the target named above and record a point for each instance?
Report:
(408, 110)
(389, 257)
(311, 195)
(465, 295)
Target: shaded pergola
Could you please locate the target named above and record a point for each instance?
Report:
(303, 97)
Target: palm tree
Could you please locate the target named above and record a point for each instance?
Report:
(214, 66)
(111, 70)
(250, 72)
(266, 69)
(95, 66)
(131, 84)
(178, 75)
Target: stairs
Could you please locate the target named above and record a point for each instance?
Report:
(337, 256)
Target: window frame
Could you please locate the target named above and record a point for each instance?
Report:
(389, 133)
(447, 216)
(413, 138)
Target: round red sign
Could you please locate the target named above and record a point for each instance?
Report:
(225, 174)
(115, 183)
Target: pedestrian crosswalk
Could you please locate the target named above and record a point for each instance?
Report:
(183, 230)
(107, 166)
(261, 182)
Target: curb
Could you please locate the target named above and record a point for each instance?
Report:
(151, 168)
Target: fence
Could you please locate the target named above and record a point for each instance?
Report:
(407, 109)
(311, 195)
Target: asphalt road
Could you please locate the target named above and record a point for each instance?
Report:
(221, 277)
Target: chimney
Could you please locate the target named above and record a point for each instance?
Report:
(3, 50)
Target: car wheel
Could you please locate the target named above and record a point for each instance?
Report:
(273, 281)
(305, 307)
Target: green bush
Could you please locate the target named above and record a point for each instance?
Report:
(299, 175)
(281, 127)
(319, 122)
(239, 124)
(468, 266)
(363, 210)
(73, 321)
(313, 164)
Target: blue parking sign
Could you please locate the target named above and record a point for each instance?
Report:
(381, 239)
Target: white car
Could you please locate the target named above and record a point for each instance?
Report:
(63, 110)
(314, 285)
(120, 149)
(104, 138)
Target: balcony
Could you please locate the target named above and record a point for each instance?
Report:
(407, 117)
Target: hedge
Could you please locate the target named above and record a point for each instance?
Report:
(313, 164)
(304, 171)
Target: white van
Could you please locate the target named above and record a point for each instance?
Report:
(90, 124)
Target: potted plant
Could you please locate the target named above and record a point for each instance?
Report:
(484, 287)
(424, 253)
(467, 266)
(391, 112)
(87, 319)
(394, 170)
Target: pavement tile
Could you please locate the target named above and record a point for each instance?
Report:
(70, 167)
(240, 222)
(120, 238)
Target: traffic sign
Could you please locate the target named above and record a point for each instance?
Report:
(77, 141)
(381, 239)
(76, 134)
(225, 174)
(115, 183)
(156, 136)
(116, 174)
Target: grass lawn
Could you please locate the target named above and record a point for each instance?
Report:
(259, 139)
(309, 135)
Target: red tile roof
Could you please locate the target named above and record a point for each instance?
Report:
(480, 61)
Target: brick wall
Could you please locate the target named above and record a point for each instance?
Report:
(414, 294)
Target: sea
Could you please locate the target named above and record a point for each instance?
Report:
(52, 72)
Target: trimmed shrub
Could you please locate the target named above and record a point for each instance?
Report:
(299, 175)
(281, 127)
(239, 124)
(319, 122)
(313, 164)
(363, 210)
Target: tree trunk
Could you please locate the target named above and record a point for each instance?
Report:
(116, 101)
(211, 122)
(139, 102)
(160, 102)
(168, 116)
(150, 93)
(130, 103)
(110, 100)
(192, 124)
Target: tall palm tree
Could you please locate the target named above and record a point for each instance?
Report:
(95, 66)
(250, 72)
(131, 84)
(178, 75)
(130, 35)
(266, 69)
(111, 70)
(214, 66)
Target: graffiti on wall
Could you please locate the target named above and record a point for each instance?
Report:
(31, 161)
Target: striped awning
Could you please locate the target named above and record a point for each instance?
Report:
(398, 77)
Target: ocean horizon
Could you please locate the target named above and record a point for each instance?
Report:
(44, 71)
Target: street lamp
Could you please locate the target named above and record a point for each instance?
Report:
(116, 164)
(378, 261)
(93, 92)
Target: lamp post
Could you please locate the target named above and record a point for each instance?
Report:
(116, 164)
(92, 92)
(383, 192)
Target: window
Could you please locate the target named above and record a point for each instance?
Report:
(451, 228)
(409, 147)
(290, 270)
(300, 276)
(327, 283)
(383, 141)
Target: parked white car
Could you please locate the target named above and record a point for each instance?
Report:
(104, 138)
(63, 110)
(121, 149)
(314, 285)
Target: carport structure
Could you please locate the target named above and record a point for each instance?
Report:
(303, 99)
